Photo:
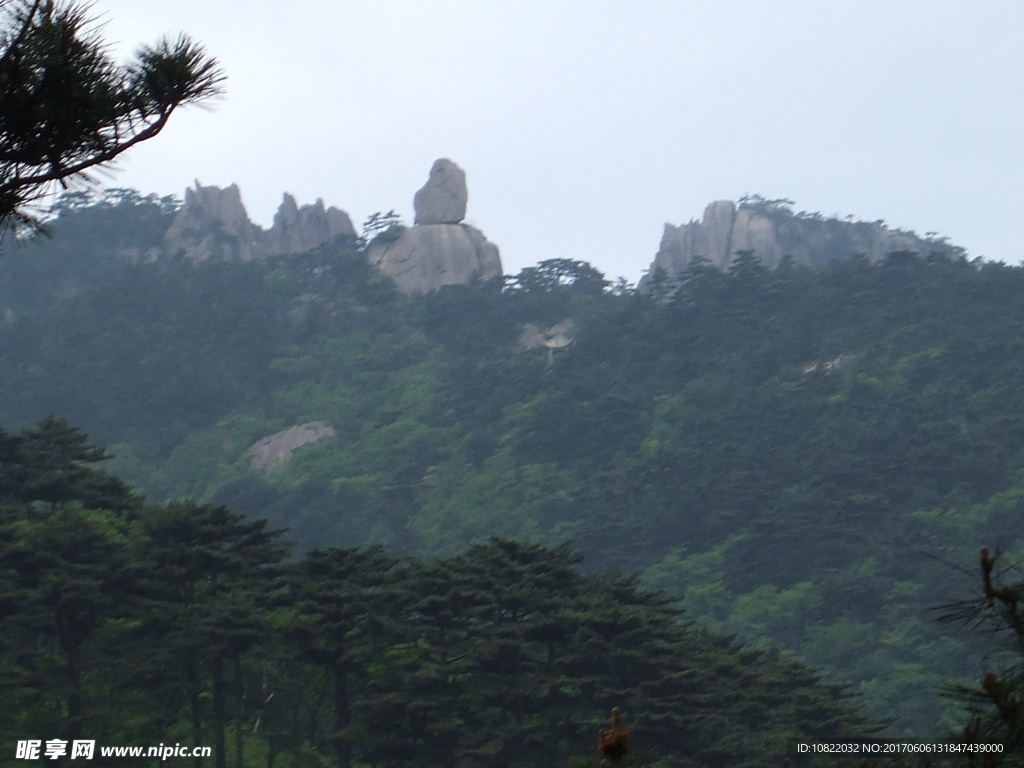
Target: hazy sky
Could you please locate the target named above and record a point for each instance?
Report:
(584, 126)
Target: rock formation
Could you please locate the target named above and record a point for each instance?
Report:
(297, 230)
(556, 337)
(213, 224)
(425, 258)
(442, 200)
(275, 450)
(772, 231)
(438, 250)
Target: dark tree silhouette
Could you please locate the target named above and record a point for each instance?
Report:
(995, 730)
(68, 108)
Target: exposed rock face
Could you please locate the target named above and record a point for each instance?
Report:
(297, 230)
(442, 200)
(773, 232)
(438, 250)
(271, 452)
(556, 338)
(425, 258)
(829, 366)
(213, 224)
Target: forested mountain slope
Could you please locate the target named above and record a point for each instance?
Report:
(801, 456)
(133, 623)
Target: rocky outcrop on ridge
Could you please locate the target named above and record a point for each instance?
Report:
(213, 225)
(442, 200)
(298, 230)
(437, 250)
(425, 258)
(771, 231)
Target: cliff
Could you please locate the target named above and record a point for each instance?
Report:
(770, 230)
(213, 224)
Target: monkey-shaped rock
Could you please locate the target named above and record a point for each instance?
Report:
(442, 200)
(438, 250)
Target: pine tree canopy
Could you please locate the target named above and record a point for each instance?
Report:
(68, 108)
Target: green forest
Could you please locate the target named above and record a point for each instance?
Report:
(736, 506)
(186, 622)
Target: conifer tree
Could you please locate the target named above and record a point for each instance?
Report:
(52, 465)
(996, 706)
(340, 615)
(207, 575)
(64, 584)
(68, 108)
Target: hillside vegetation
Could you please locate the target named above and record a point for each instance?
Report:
(803, 458)
(132, 623)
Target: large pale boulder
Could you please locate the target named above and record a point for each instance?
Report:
(442, 200)
(425, 258)
(273, 451)
(555, 337)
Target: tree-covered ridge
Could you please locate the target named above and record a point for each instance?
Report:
(799, 455)
(127, 622)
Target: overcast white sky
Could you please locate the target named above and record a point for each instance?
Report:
(585, 125)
